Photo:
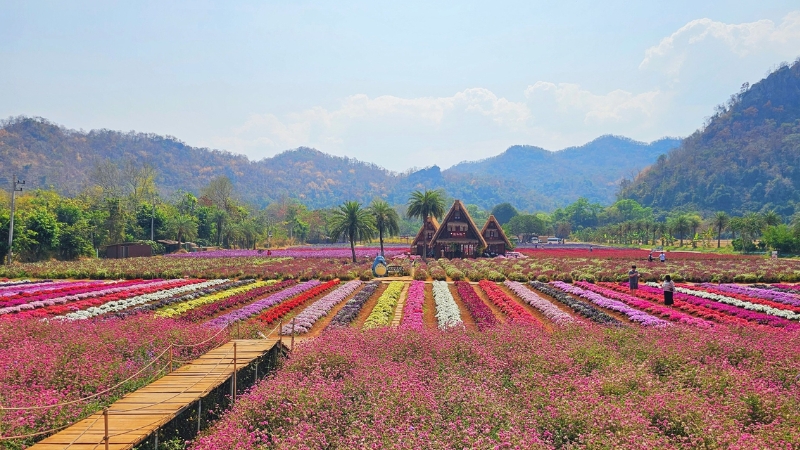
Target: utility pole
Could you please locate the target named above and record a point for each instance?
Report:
(153, 219)
(16, 186)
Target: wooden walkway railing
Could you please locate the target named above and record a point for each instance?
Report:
(133, 418)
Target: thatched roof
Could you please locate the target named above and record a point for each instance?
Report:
(458, 206)
(420, 239)
(503, 236)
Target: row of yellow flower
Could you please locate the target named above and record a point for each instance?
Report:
(180, 308)
(383, 311)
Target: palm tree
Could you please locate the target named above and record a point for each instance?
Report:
(354, 222)
(679, 225)
(184, 226)
(386, 219)
(772, 218)
(720, 222)
(425, 204)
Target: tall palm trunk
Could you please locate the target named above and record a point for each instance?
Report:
(719, 236)
(380, 236)
(353, 246)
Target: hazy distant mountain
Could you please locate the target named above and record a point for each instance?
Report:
(593, 170)
(747, 157)
(48, 155)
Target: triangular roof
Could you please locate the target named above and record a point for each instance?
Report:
(421, 234)
(457, 205)
(491, 219)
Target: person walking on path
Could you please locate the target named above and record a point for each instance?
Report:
(669, 289)
(633, 279)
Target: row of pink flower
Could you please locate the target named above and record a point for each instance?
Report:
(653, 308)
(412, 313)
(79, 293)
(549, 310)
(21, 285)
(775, 296)
(58, 291)
(28, 291)
(320, 308)
(327, 252)
(635, 315)
(260, 305)
(750, 316)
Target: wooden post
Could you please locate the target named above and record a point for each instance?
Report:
(234, 371)
(280, 332)
(291, 347)
(170, 359)
(105, 420)
(199, 409)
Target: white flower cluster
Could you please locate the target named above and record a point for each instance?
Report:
(119, 305)
(447, 312)
(736, 302)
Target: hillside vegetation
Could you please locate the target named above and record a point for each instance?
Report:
(747, 157)
(531, 178)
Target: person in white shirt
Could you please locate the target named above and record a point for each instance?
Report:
(669, 289)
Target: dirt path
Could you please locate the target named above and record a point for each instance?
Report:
(548, 325)
(466, 317)
(429, 309)
(323, 322)
(358, 323)
(501, 318)
(401, 305)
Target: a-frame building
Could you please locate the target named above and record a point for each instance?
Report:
(495, 237)
(458, 236)
(425, 234)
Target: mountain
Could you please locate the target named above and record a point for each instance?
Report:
(746, 158)
(50, 156)
(593, 170)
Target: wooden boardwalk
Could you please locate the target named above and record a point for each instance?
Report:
(138, 414)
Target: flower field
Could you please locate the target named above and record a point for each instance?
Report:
(66, 340)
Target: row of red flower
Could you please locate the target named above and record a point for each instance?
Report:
(513, 310)
(287, 306)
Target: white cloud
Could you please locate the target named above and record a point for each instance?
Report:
(743, 40)
(616, 106)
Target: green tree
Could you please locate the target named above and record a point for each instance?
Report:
(680, 225)
(386, 220)
(504, 212)
(780, 238)
(183, 226)
(354, 222)
(526, 225)
(720, 222)
(426, 204)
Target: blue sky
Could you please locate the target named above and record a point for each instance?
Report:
(401, 84)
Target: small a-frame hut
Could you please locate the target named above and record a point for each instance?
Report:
(458, 236)
(495, 237)
(425, 234)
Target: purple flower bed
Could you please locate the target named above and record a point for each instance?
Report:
(320, 308)
(775, 296)
(5, 286)
(634, 314)
(43, 288)
(256, 307)
(549, 310)
(412, 313)
(326, 252)
(483, 316)
(353, 306)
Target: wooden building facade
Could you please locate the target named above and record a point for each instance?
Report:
(496, 241)
(457, 236)
(425, 235)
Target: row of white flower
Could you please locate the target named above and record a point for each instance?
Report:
(447, 312)
(736, 302)
(120, 305)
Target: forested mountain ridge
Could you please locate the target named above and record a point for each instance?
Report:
(746, 158)
(48, 155)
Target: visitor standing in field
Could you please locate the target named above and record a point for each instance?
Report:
(650, 257)
(662, 257)
(669, 289)
(633, 279)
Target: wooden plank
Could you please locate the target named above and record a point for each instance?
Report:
(138, 414)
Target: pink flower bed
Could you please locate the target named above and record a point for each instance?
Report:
(412, 312)
(301, 252)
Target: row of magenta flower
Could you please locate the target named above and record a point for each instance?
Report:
(197, 300)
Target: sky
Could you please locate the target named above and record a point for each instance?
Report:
(399, 84)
